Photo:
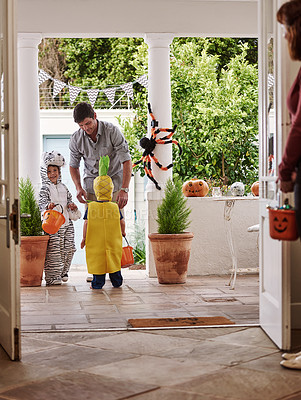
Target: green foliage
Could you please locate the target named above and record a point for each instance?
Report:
(173, 212)
(28, 205)
(137, 239)
(225, 48)
(216, 116)
(99, 63)
(215, 106)
(104, 163)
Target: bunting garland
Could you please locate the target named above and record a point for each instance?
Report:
(43, 76)
(92, 95)
(143, 81)
(74, 91)
(110, 93)
(57, 87)
(270, 80)
(128, 89)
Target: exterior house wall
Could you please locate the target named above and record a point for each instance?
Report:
(56, 128)
(210, 252)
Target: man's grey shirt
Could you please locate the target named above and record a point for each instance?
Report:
(109, 141)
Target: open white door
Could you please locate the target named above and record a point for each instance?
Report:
(9, 208)
(273, 118)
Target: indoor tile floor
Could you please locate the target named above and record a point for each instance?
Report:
(238, 363)
(67, 352)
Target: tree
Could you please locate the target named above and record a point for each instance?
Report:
(225, 48)
(216, 114)
(100, 63)
(217, 118)
(52, 61)
(89, 63)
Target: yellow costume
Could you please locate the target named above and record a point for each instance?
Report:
(104, 238)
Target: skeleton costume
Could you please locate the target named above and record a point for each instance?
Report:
(61, 246)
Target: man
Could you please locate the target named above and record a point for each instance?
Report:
(93, 140)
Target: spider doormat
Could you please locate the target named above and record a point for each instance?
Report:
(170, 322)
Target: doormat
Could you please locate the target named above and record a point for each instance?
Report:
(170, 322)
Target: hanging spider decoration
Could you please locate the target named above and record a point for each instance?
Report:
(150, 144)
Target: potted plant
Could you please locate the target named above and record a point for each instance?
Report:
(33, 241)
(171, 245)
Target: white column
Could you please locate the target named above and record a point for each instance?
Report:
(159, 96)
(29, 107)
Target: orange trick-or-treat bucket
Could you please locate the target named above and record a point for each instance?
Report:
(52, 221)
(127, 257)
(283, 224)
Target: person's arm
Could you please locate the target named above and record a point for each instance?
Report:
(292, 152)
(45, 202)
(72, 206)
(122, 197)
(83, 242)
(74, 163)
(81, 194)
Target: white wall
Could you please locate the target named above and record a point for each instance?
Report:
(103, 18)
(210, 252)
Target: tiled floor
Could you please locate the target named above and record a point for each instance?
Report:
(75, 306)
(237, 363)
(208, 363)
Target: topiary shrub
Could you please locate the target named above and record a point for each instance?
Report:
(28, 205)
(173, 212)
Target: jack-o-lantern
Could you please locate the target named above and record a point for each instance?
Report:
(283, 224)
(195, 188)
(52, 221)
(255, 188)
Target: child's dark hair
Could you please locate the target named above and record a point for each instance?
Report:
(82, 111)
(52, 165)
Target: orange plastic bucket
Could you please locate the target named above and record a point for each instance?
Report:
(127, 257)
(283, 224)
(52, 221)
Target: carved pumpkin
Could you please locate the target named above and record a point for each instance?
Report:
(255, 188)
(195, 188)
(283, 224)
(52, 221)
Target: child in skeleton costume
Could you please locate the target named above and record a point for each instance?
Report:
(54, 194)
(103, 230)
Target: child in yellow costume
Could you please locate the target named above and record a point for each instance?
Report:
(103, 230)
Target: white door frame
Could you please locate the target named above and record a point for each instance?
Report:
(9, 205)
(275, 280)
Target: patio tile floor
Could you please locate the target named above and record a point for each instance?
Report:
(74, 306)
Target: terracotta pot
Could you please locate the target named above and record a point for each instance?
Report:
(171, 253)
(32, 259)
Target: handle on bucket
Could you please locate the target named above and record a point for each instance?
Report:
(126, 240)
(60, 206)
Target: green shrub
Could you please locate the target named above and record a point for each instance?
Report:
(173, 212)
(28, 205)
